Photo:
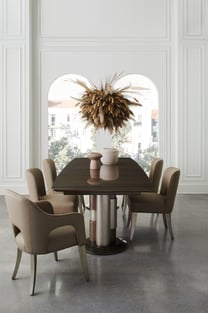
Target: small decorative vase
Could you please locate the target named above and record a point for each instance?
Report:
(109, 172)
(95, 160)
(109, 156)
(94, 177)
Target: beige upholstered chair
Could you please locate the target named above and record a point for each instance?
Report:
(154, 175)
(156, 172)
(37, 191)
(38, 231)
(50, 173)
(151, 202)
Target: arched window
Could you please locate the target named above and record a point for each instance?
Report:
(69, 137)
(140, 138)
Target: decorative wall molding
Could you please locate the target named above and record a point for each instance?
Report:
(167, 43)
(88, 46)
(194, 118)
(192, 97)
(13, 26)
(1, 19)
(15, 86)
(1, 110)
(102, 42)
(194, 19)
(12, 112)
(14, 129)
(129, 23)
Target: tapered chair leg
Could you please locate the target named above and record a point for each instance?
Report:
(165, 221)
(124, 204)
(56, 256)
(129, 219)
(169, 224)
(83, 259)
(81, 204)
(133, 224)
(17, 264)
(33, 262)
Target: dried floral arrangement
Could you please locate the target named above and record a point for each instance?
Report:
(107, 107)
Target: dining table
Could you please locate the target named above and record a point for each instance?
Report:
(103, 184)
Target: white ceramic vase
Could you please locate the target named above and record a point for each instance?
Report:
(109, 156)
(109, 172)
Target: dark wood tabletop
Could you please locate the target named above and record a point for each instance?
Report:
(126, 177)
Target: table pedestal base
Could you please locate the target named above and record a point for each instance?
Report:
(117, 246)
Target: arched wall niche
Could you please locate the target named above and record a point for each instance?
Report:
(98, 65)
(69, 135)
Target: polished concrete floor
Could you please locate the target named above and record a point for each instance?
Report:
(154, 275)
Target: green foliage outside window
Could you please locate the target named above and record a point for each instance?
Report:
(144, 156)
(61, 152)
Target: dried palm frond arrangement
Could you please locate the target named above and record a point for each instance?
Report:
(107, 107)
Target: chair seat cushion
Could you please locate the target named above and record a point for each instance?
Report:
(147, 202)
(58, 239)
(62, 203)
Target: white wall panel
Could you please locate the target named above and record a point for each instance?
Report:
(192, 96)
(14, 89)
(193, 117)
(193, 18)
(1, 111)
(1, 19)
(194, 113)
(13, 18)
(95, 18)
(12, 114)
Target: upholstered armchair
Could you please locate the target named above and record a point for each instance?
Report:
(161, 203)
(50, 174)
(154, 175)
(37, 230)
(37, 191)
(156, 172)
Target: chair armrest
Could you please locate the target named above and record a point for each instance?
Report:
(75, 219)
(46, 206)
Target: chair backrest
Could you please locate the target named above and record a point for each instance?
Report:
(169, 186)
(155, 172)
(49, 171)
(29, 223)
(35, 183)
